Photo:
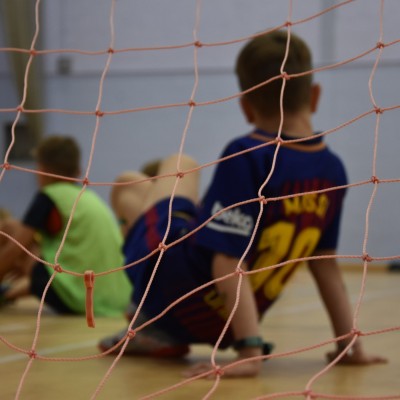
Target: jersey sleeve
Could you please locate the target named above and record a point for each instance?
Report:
(42, 215)
(233, 182)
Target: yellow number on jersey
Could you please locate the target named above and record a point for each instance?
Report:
(278, 243)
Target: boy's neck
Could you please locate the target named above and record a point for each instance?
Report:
(296, 125)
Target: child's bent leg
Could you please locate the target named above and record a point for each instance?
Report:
(153, 341)
(127, 197)
(187, 187)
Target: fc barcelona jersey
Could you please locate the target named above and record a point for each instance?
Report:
(289, 197)
(301, 185)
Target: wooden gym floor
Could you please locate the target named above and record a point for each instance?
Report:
(296, 321)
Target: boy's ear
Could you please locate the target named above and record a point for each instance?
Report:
(247, 109)
(315, 96)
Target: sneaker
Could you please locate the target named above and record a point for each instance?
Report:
(142, 345)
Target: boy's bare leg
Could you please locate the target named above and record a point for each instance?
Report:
(127, 199)
(187, 187)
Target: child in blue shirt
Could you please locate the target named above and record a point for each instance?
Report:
(286, 187)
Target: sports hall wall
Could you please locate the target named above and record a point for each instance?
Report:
(70, 81)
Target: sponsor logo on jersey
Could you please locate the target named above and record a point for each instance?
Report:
(231, 221)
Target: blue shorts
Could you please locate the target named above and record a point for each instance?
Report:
(179, 272)
(149, 231)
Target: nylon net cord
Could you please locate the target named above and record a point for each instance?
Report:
(99, 113)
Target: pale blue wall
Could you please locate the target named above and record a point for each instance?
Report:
(154, 78)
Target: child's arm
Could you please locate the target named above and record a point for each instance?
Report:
(244, 322)
(333, 292)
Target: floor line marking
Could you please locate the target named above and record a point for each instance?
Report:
(289, 310)
(49, 350)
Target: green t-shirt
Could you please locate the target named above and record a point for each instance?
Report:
(93, 242)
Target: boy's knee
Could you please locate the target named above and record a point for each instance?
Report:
(183, 161)
(129, 185)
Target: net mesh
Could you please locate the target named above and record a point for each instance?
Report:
(109, 54)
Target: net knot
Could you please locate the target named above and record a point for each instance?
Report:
(131, 334)
(356, 332)
(288, 23)
(180, 175)
(367, 257)
(279, 140)
(6, 166)
(20, 109)
(86, 181)
(263, 200)
(33, 52)
(374, 179)
(192, 103)
(99, 113)
(198, 44)
(218, 371)
(58, 268)
(380, 45)
(285, 76)
(239, 271)
(309, 393)
(378, 110)
(162, 247)
(32, 354)
(110, 50)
